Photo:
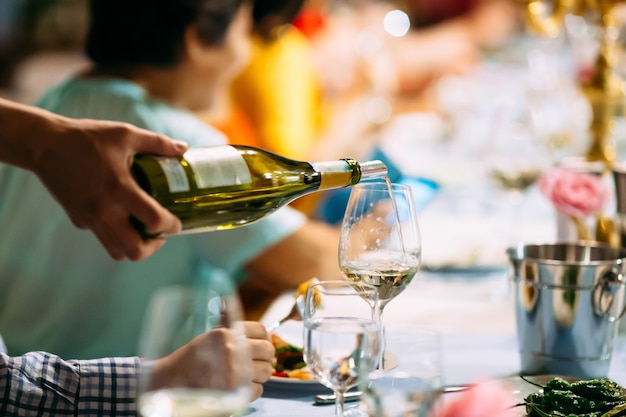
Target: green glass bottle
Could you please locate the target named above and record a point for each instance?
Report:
(220, 187)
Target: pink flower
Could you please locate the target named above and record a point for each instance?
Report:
(575, 194)
(488, 399)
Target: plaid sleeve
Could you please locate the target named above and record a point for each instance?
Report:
(40, 383)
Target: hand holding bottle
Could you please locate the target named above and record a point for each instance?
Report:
(85, 165)
(97, 191)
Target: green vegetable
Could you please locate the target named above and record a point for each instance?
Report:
(566, 402)
(557, 383)
(599, 388)
(600, 397)
(620, 410)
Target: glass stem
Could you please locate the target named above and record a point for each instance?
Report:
(339, 404)
(383, 343)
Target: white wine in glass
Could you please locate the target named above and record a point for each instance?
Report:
(380, 241)
(200, 332)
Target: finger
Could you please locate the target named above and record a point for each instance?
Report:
(255, 330)
(109, 244)
(150, 142)
(256, 391)
(122, 237)
(262, 372)
(261, 350)
(154, 217)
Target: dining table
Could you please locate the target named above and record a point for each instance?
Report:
(473, 310)
(464, 289)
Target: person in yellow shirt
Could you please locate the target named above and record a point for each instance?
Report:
(280, 93)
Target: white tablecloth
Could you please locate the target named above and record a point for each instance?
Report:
(474, 313)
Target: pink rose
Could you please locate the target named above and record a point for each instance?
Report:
(573, 193)
(488, 399)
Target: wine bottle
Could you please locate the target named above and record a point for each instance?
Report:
(220, 187)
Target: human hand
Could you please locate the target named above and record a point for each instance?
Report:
(85, 165)
(262, 354)
(223, 368)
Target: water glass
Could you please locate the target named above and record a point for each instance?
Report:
(341, 336)
(410, 383)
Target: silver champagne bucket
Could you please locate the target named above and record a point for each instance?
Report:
(568, 301)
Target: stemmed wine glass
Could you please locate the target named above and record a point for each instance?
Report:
(341, 337)
(200, 334)
(380, 241)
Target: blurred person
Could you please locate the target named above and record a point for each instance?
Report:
(454, 35)
(314, 91)
(280, 96)
(155, 62)
(39, 383)
(445, 37)
(85, 165)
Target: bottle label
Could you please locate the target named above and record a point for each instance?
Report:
(174, 173)
(218, 166)
(335, 174)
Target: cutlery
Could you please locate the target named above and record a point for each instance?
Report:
(294, 314)
(323, 399)
(298, 306)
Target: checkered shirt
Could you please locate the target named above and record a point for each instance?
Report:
(42, 384)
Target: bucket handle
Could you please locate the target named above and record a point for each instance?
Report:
(603, 293)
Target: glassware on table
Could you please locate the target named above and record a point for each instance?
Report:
(516, 157)
(201, 331)
(341, 337)
(380, 242)
(411, 385)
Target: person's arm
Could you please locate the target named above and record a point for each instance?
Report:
(85, 164)
(41, 383)
(310, 251)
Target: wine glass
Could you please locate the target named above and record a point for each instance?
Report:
(341, 336)
(380, 241)
(194, 355)
(516, 159)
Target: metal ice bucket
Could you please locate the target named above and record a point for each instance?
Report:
(568, 301)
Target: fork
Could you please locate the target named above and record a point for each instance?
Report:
(298, 306)
(294, 314)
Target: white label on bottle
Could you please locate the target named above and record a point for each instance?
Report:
(174, 173)
(218, 166)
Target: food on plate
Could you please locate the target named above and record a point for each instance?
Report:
(304, 287)
(288, 360)
(600, 397)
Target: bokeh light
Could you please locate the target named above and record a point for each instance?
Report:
(397, 23)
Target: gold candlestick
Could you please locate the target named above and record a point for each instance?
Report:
(603, 89)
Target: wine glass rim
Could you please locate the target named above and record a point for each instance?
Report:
(382, 186)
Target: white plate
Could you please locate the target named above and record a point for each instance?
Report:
(278, 387)
(292, 381)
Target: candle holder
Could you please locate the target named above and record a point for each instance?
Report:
(602, 88)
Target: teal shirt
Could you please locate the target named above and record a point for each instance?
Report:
(59, 290)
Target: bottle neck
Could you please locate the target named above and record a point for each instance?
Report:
(335, 174)
(346, 172)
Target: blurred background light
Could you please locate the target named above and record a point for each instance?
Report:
(397, 23)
